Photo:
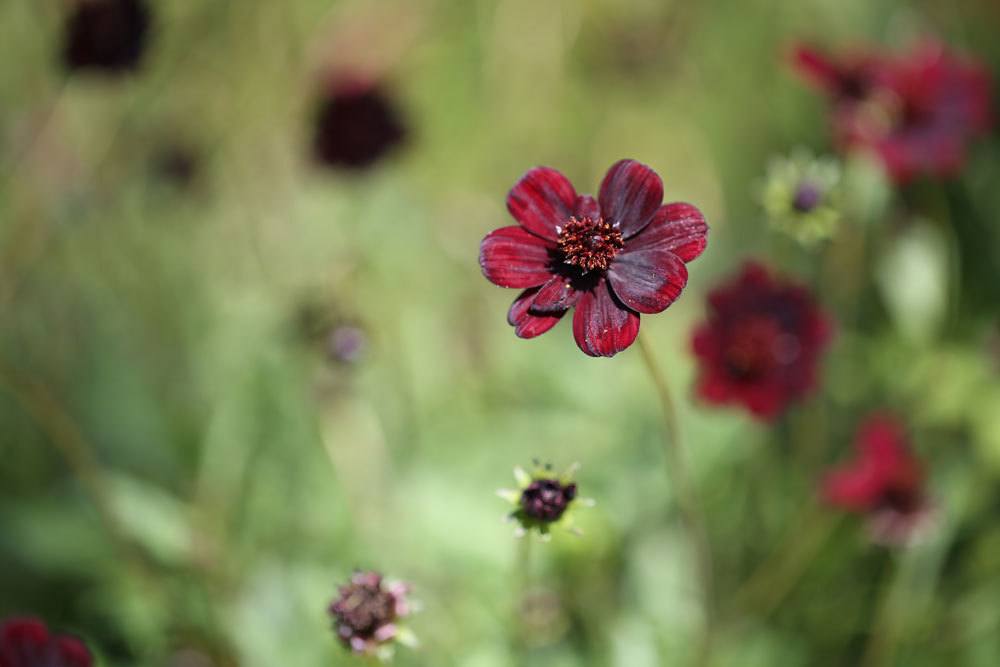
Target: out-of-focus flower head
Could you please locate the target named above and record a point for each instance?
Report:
(761, 344)
(543, 499)
(342, 339)
(918, 112)
(26, 642)
(885, 482)
(106, 35)
(609, 258)
(357, 122)
(801, 197)
(367, 615)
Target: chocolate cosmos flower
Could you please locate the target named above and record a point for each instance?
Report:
(610, 258)
(543, 499)
(917, 112)
(761, 343)
(26, 642)
(885, 481)
(367, 611)
(108, 35)
(356, 124)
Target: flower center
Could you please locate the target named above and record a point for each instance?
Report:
(807, 197)
(546, 499)
(757, 347)
(362, 608)
(589, 244)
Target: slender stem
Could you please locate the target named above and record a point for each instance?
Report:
(884, 633)
(777, 576)
(65, 435)
(523, 574)
(684, 492)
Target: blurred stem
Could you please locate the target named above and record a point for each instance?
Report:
(885, 628)
(65, 435)
(523, 589)
(684, 492)
(775, 578)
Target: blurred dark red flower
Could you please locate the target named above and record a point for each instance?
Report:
(546, 499)
(761, 344)
(26, 642)
(611, 258)
(108, 35)
(884, 482)
(356, 124)
(917, 112)
(367, 610)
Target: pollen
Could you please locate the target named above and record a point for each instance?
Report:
(589, 244)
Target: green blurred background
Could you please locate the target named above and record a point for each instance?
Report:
(186, 476)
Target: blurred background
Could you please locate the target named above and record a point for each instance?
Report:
(242, 355)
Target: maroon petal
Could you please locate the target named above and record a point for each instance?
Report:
(556, 295)
(511, 257)
(817, 68)
(527, 324)
(587, 207)
(602, 326)
(541, 200)
(648, 280)
(73, 653)
(630, 194)
(679, 228)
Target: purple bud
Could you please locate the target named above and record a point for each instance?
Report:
(364, 613)
(546, 500)
(807, 197)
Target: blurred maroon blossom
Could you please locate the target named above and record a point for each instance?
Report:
(761, 344)
(885, 481)
(367, 610)
(26, 642)
(918, 112)
(106, 35)
(611, 258)
(356, 123)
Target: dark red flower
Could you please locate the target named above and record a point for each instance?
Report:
(546, 499)
(885, 481)
(367, 610)
(917, 112)
(356, 124)
(108, 35)
(26, 642)
(761, 343)
(611, 258)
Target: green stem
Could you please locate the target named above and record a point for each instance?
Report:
(523, 565)
(686, 499)
(884, 635)
(777, 576)
(68, 440)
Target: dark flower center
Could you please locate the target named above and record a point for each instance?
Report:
(903, 499)
(354, 128)
(757, 346)
(589, 244)
(807, 197)
(106, 34)
(363, 607)
(546, 499)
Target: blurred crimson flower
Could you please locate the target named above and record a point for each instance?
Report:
(761, 344)
(611, 258)
(367, 613)
(356, 124)
(885, 481)
(107, 35)
(917, 112)
(26, 642)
